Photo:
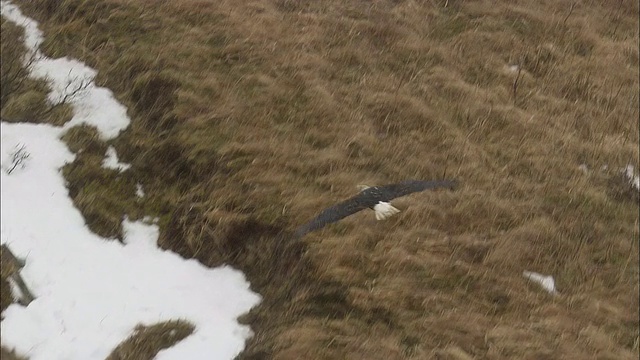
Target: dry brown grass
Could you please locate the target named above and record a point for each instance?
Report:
(103, 195)
(23, 99)
(147, 341)
(250, 117)
(9, 355)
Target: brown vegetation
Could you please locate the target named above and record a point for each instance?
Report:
(249, 117)
(147, 341)
(23, 99)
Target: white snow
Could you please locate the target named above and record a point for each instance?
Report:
(68, 77)
(32, 35)
(16, 292)
(513, 68)
(634, 179)
(91, 292)
(546, 282)
(139, 190)
(111, 160)
(19, 158)
(584, 168)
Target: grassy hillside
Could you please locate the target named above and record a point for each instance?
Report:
(249, 117)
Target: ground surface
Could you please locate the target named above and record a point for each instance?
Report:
(249, 117)
(95, 297)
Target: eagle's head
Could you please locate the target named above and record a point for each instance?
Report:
(362, 187)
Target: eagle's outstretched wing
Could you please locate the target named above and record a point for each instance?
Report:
(390, 192)
(333, 214)
(368, 198)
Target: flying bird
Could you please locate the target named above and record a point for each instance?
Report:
(377, 198)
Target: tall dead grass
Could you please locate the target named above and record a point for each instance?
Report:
(23, 99)
(250, 117)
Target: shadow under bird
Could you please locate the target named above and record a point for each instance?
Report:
(376, 198)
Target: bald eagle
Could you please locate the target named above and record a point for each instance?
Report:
(376, 198)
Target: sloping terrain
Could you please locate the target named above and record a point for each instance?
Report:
(250, 117)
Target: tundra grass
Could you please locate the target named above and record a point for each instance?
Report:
(251, 117)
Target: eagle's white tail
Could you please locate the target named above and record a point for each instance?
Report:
(384, 210)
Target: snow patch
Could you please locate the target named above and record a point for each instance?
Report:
(90, 292)
(70, 80)
(16, 292)
(32, 35)
(634, 180)
(546, 282)
(584, 168)
(19, 157)
(111, 161)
